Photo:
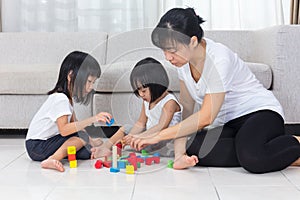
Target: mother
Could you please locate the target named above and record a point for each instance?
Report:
(245, 120)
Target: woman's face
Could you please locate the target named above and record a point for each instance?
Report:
(179, 56)
(89, 84)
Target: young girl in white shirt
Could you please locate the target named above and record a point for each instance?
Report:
(54, 126)
(160, 109)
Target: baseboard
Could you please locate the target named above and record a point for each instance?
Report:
(104, 132)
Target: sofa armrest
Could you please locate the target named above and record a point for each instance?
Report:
(278, 47)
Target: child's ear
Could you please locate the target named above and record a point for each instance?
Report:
(70, 75)
(194, 42)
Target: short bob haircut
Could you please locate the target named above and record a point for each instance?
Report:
(178, 25)
(82, 65)
(149, 73)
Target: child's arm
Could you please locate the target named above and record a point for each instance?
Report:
(65, 128)
(138, 127)
(166, 116)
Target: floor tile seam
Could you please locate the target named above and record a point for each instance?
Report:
(213, 183)
(290, 181)
(13, 160)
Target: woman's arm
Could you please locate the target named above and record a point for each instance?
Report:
(186, 101)
(197, 121)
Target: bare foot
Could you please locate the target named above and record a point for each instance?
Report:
(185, 162)
(96, 142)
(296, 163)
(297, 137)
(52, 164)
(101, 151)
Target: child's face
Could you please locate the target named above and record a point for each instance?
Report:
(90, 84)
(144, 93)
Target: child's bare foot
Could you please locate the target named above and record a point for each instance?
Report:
(96, 142)
(185, 162)
(51, 163)
(101, 151)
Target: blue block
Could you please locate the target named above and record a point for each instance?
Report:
(114, 170)
(156, 154)
(111, 122)
(122, 164)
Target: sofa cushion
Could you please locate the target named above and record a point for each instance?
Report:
(22, 79)
(115, 77)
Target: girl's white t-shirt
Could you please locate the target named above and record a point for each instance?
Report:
(43, 125)
(154, 114)
(225, 72)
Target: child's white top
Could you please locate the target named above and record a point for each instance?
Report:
(43, 124)
(225, 72)
(154, 114)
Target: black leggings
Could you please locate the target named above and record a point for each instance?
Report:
(256, 141)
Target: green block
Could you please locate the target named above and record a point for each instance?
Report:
(144, 153)
(170, 163)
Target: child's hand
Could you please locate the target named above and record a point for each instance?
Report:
(103, 117)
(95, 142)
(100, 151)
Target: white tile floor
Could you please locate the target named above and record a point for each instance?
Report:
(21, 178)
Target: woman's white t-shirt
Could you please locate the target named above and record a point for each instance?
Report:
(225, 72)
(43, 125)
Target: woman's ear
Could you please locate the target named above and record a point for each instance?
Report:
(194, 42)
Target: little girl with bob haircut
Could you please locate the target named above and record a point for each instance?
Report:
(54, 127)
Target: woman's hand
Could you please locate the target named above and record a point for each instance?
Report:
(127, 140)
(140, 142)
(103, 117)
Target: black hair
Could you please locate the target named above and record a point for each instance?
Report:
(177, 25)
(82, 65)
(149, 73)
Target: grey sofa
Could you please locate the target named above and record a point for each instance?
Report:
(29, 64)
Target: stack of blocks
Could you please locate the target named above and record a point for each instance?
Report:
(72, 156)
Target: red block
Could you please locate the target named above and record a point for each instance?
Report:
(98, 164)
(71, 157)
(119, 149)
(107, 164)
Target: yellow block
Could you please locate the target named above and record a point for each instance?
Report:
(129, 169)
(71, 150)
(73, 164)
